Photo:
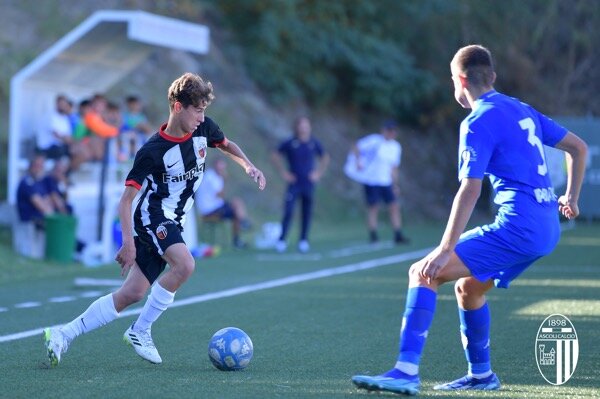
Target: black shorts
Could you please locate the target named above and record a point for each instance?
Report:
(377, 194)
(55, 151)
(151, 243)
(225, 211)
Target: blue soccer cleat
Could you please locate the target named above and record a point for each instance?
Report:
(490, 383)
(383, 383)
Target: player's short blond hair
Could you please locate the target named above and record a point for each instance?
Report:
(476, 64)
(190, 89)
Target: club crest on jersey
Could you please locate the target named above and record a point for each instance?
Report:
(161, 232)
(468, 155)
(190, 174)
(202, 152)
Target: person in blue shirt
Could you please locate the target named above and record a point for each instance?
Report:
(33, 197)
(502, 138)
(56, 182)
(306, 163)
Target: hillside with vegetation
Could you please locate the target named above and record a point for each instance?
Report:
(348, 64)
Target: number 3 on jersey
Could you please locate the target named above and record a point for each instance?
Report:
(527, 124)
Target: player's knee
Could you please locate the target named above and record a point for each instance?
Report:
(184, 269)
(459, 289)
(465, 289)
(137, 295)
(129, 296)
(414, 273)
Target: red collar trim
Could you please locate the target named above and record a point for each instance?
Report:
(174, 139)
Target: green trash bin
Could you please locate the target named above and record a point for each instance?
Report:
(60, 237)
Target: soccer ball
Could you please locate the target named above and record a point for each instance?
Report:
(230, 349)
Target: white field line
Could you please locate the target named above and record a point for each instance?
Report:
(61, 299)
(336, 253)
(96, 282)
(27, 305)
(289, 257)
(293, 279)
(360, 249)
(91, 294)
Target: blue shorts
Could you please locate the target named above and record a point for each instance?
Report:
(377, 194)
(495, 252)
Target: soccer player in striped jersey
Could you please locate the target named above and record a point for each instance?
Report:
(502, 138)
(168, 169)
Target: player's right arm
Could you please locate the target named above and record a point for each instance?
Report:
(462, 208)
(142, 166)
(576, 153)
(358, 161)
(42, 204)
(280, 166)
(323, 163)
(126, 254)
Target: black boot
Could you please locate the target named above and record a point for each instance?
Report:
(399, 238)
(373, 237)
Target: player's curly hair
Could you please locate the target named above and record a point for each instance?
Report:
(476, 63)
(190, 89)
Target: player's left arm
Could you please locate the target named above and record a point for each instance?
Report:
(396, 180)
(58, 202)
(576, 153)
(233, 151)
(323, 163)
(462, 208)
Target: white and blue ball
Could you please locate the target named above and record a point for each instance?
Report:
(230, 349)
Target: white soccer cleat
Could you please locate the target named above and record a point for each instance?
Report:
(143, 345)
(56, 344)
(281, 246)
(303, 246)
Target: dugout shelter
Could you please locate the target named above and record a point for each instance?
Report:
(90, 59)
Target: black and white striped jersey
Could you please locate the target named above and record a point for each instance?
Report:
(172, 169)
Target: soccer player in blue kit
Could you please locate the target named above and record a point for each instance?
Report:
(503, 139)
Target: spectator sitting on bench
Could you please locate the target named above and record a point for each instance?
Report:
(212, 206)
(55, 184)
(33, 204)
(54, 137)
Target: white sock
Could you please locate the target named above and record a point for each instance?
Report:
(481, 375)
(158, 301)
(102, 311)
(407, 368)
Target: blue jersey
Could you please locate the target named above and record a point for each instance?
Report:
(28, 187)
(301, 157)
(504, 139)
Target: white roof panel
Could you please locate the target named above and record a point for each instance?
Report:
(91, 58)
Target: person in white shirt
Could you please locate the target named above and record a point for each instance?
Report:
(211, 204)
(54, 137)
(374, 162)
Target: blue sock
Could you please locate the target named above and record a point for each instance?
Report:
(418, 314)
(475, 334)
